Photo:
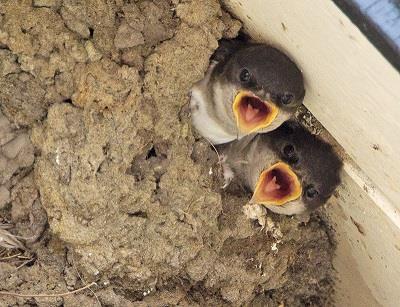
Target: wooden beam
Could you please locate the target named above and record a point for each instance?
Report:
(351, 89)
(355, 93)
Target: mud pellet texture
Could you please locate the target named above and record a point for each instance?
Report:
(104, 179)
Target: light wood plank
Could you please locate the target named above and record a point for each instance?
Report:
(355, 93)
(352, 90)
(368, 247)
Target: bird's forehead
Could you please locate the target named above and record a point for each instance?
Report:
(269, 67)
(257, 61)
(317, 164)
(321, 167)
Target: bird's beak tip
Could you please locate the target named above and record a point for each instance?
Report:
(277, 185)
(252, 113)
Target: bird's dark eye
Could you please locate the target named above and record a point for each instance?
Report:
(311, 192)
(288, 150)
(244, 75)
(286, 98)
(290, 153)
(288, 127)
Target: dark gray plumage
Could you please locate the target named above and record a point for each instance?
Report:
(270, 83)
(312, 160)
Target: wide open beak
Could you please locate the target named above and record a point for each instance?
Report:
(277, 185)
(253, 113)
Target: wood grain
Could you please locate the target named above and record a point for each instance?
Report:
(355, 93)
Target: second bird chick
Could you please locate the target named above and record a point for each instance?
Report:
(249, 88)
(289, 170)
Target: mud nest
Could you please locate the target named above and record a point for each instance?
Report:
(105, 180)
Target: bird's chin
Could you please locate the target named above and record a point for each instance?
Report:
(277, 186)
(253, 113)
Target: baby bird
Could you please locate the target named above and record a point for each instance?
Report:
(248, 88)
(289, 170)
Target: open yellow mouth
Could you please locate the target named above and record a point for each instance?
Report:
(277, 185)
(252, 113)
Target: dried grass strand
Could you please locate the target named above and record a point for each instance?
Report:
(10, 257)
(5, 225)
(81, 278)
(48, 295)
(215, 149)
(8, 240)
(24, 263)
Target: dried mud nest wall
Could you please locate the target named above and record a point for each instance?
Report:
(102, 174)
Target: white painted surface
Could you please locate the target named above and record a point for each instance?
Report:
(368, 247)
(355, 93)
(350, 87)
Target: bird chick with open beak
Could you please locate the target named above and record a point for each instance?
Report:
(289, 170)
(248, 88)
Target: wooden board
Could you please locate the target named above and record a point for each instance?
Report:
(352, 90)
(355, 93)
(368, 247)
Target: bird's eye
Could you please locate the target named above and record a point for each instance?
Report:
(286, 98)
(288, 127)
(244, 76)
(311, 192)
(290, 153)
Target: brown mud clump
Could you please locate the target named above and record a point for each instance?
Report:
(104, 180)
